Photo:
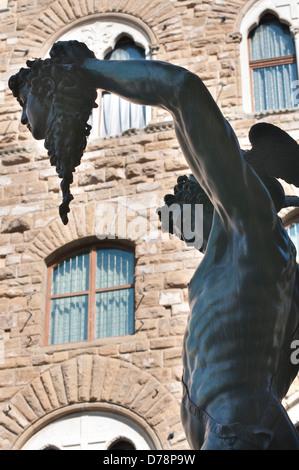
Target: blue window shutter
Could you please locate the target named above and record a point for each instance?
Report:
(69, 319)
(115, 307)
(69, 315)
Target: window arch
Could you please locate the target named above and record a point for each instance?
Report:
(110, 428)
(252, 17)
(90, 294)
(106, 37)
(50, 447)
(122, 444)
(273, 65)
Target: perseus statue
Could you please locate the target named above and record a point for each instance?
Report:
(244, 296)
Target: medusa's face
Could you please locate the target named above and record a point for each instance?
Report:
(35, 115)
(189, 222)
(188, 213)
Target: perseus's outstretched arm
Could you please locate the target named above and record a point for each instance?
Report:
(150, 83)
(206, 138)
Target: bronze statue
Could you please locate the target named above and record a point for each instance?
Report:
(244, 296)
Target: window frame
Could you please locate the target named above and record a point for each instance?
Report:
(265, 63)
(249, 18)
(92, 249)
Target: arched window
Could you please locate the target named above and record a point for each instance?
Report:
(90, 295)
(115, 37)
(273, 65)
(122, 444)
(49, 447)
(117, 114)
(107, 429)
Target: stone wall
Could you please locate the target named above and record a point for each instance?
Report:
(36, 379)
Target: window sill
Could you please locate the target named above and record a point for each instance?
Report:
(151, 128)
(79, 345)
(250, 115)
(272, 112)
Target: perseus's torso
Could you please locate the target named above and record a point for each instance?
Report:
(240, 299)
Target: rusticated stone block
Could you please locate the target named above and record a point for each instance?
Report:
(23, 407)
(41, 394)
(163, 343)
(84, 377)
(120, 379)
(111, 373)
(95, 177)
(10, 424)
(33, 401)
(50, 389)
(70, 377)
(97, 377)
(14, 159)
(170, 298)
(18, 224)
(177, 279)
